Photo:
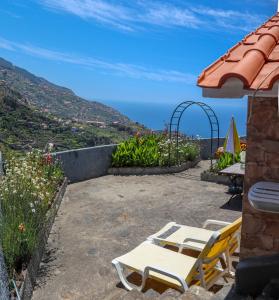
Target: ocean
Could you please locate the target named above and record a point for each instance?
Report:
(194, 121)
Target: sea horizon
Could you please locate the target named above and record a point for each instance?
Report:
(194, 122)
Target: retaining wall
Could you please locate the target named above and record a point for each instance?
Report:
(1, 165)
(205, 145)
(153, 170)
(86, 163)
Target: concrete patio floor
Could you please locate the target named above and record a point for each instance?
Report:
(103, 218)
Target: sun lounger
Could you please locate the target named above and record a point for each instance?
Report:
(188, 237)
(175, 269)
(194, 238)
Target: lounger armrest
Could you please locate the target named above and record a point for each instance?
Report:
(159, 270)
(152, 238)
(210, 259)
(193, 240)
(215, 222)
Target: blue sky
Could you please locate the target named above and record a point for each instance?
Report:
(131, 50)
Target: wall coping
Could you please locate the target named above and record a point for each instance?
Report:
(84, 149)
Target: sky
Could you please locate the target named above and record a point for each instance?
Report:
(128, 50)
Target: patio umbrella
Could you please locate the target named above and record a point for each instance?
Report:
(232, 143)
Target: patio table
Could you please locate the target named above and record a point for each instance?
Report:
(235, 171)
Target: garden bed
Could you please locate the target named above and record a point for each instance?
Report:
(153, 170)
(215, 177)
(30, 274)
(219, 178)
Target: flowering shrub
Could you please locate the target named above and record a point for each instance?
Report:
(152, 150)
(26, 193)
(171, 154)
(243, 146)
(219, 152)
(226, 159)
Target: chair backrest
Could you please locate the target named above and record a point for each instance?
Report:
(218, 244)
(232, 227)
(220, 241)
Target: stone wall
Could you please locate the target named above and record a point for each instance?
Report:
(205, 146)
(1, 165)
(260, 231)
(86, 163)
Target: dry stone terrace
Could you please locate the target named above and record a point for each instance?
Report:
(103, 218)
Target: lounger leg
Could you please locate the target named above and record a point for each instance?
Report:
(229, 264)
(201, 276)
(179, 279)
(129, 286)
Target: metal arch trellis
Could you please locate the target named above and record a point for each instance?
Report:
(175, 124)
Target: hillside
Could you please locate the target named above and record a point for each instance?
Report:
(55, 99)
(23, 127)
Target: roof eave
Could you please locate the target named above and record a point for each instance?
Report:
(233, 88)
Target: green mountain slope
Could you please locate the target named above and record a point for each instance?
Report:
(23, 127)
(57, 100)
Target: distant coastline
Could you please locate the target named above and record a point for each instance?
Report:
(194, 122)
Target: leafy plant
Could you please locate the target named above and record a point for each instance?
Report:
(151, 150)
(225, 160)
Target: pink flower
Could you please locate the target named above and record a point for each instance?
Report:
(48, 159)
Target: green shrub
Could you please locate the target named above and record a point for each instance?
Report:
(137, 151)
(152, 150)
(26, 193)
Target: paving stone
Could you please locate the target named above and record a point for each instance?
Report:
(197, 293)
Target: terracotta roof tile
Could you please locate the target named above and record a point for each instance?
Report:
(255, 60)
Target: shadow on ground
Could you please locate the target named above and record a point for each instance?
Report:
(234, 203)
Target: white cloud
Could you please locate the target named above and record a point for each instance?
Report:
(7, 45)
(230, 19)
(99, 10)
(132, 15)
(166, 15)
(121, 69)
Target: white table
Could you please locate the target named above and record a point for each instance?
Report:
(235, 171)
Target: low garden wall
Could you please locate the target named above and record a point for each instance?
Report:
(153, 170)
(215, 177)
(26, 289)
(205, 146)
(1, 165)
(86, 163)
(92, 162)
(4, 290)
